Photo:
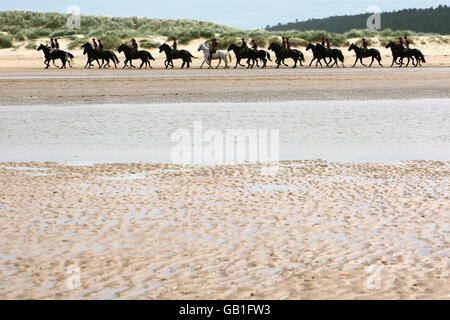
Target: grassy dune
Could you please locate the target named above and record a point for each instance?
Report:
(24, 28)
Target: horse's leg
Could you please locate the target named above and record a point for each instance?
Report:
(312, 62)
(220, 61)
(361, 59)
(355, 62)
(373, 59)
(63, 63)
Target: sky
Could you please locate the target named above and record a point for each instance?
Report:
(245, 14)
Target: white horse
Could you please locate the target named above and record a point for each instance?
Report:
(218, 55)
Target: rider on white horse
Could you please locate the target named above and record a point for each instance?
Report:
(217, 55)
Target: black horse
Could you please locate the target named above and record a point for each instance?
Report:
(96, 55)
(285, 53)
(361, 54)
(417, 54)
(333, 54)
(398, 51)
(64, 56)
(185, 55)
(144, 55)
(245, 53)
(252, 55)
(317, 55)
(262, 55)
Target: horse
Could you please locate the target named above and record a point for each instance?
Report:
(144, 55)
(333, 54)
(244, 54)
(317, 55)
(64, 56)
(250, 54)
(263, 55)
(398, 51)
(218, 55)
(283, 53)
(185, 55)
(361, 53)
(94, 54)
(416, 53)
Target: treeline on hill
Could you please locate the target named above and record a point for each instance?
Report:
(432, 20)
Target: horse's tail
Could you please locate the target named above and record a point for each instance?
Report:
(268, 56)
(71, 56)
(115, 57)
(191, 56)
(421, 56)
(341, 56)
(231, 59)
(302, 56)
(379, 56)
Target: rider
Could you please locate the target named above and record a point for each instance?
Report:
(401, 40)
(134, 45)
(174, 46)
(244, 47)
(100, 44)
(283, 43)
(56, 44)
(407, 42)
(214, 46)
(364, 44)
(53, 45)
(288, 44)
(328, 43)
(254, 45)
(323, 41)
(95, 43)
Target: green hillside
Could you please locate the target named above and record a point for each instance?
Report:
(28, 25)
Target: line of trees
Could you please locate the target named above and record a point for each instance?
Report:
(432, 20)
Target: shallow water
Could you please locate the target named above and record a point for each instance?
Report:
(354, 131)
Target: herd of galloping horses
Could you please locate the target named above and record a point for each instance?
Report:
(253, 56)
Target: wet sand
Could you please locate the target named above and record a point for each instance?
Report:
(316, 230)
(34, 86)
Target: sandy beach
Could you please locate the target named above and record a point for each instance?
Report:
(317, 229)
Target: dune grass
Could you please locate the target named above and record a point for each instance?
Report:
(29, 26)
